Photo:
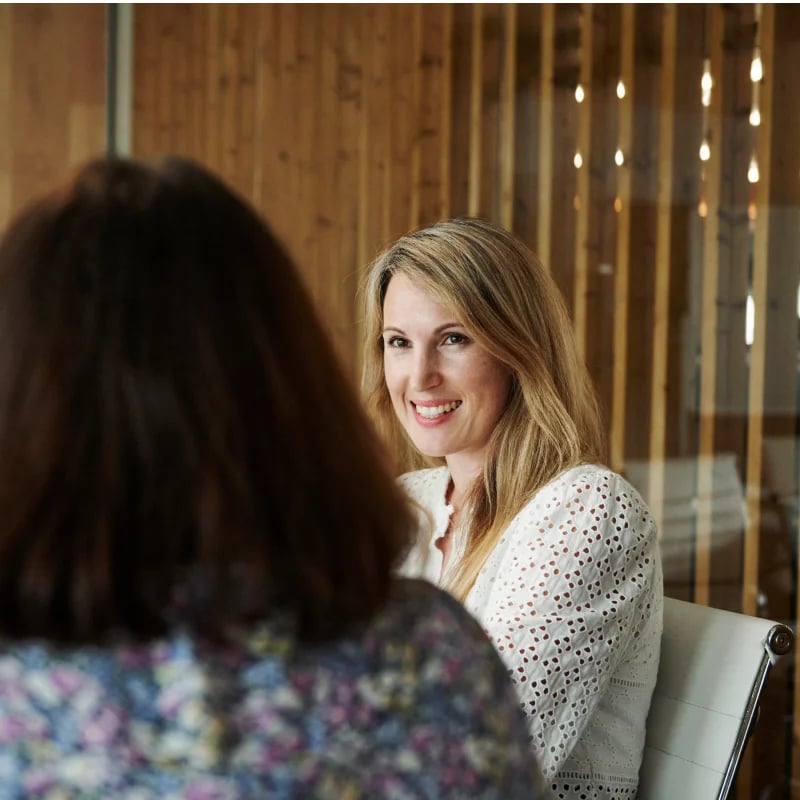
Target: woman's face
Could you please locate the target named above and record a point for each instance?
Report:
(447, 391)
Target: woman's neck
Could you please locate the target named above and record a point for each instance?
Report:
(463, 476)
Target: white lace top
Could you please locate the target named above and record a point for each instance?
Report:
(572, 598)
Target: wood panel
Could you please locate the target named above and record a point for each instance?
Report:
(603, 287)
(563, 225)
(663, 261)
(546, 119)
(475, 112)
(462, 99)
(623, 255)
(508, 113)
(583, 150)
(52, 96)
(708, 338)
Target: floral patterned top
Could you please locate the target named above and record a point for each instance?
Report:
(417, 705)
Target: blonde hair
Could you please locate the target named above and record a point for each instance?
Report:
(509, 303)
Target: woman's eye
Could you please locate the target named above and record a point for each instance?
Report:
(455, 338)
(396, 341)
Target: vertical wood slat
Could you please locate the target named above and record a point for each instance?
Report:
(230, 101)
(178, 55)
(708, 334)
(544, 221)
(246, 144)
(565, 132)
(196, 115)
(351, 45)
(86, 124)
(416, 143)
(326, 199)
(460, 101)
(758, 352)
(446, 121)
(283, 124)
(527, 115)
(758, 355)
(144, 59)
(434, 93)
(476, 113)
(666, 141)
(581, 283)
(491, 112)
(266, 90)
(365, 145)
(508, 96)
(305, 114)
(167, 127)
(6, 114)
(622, 270)
(387, 137)
(402, 102)
(214, 62)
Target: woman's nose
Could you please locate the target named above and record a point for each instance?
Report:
(425, 371)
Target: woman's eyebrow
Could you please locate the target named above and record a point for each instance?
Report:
(437, 329)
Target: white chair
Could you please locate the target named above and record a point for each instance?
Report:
(713, 667)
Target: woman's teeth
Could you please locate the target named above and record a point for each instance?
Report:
(431, 412)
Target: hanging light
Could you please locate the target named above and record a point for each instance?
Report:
(755, 115)
(578, 159)
(619, 158)
(749, 320)
(706, 82)
(620, 88)
(579, 93)
(752, 170)
(756, 67)
(705, 150)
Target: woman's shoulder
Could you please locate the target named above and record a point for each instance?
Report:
(592, 479)
(590, 489)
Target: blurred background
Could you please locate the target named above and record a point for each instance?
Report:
(648, 153)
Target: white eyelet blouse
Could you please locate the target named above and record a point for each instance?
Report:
(572, 598)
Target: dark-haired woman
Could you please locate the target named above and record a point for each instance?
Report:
(197, 535)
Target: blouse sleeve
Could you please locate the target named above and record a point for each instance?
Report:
(571, 591)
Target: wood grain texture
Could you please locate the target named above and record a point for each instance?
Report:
(52, 96)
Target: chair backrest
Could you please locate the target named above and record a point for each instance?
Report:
(713, 667)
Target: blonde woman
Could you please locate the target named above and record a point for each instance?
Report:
(473, 376)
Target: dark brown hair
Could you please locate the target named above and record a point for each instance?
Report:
(177, 442)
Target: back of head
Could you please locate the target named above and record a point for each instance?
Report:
(509, 302)
(178, 443)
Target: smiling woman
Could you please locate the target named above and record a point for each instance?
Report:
(470, 364)
(447, 390)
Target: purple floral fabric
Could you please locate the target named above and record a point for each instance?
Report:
(418, 705)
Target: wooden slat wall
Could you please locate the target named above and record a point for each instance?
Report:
(663, 261)
(623, 234)
(583, 182)
(348, 124)
(52, 96)
(709, 314)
